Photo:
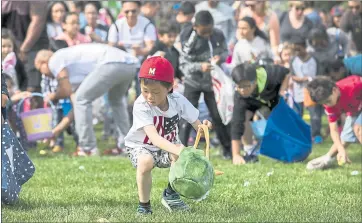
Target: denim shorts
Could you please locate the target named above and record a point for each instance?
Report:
(348, 134)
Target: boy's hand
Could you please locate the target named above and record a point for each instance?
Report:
(342, 157)
(238, 160)
(208, 124)
(50, 97)
(206, 67)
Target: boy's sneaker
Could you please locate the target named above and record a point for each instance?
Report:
(141, 210)
(173, 202)
(320, 163)
(251, 158)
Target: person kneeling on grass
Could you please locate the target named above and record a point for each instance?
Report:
(258, 88)
(345, 96)
(153, 139)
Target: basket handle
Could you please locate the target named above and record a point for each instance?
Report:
(207, 138)
(32, 95)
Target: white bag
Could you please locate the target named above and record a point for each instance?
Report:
(223, 88)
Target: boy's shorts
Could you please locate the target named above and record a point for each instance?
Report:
(348, 134)
(161, 158)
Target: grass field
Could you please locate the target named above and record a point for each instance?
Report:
(66, 189)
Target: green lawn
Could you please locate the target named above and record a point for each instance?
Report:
(61, 191)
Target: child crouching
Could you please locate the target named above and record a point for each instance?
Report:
(153, 139)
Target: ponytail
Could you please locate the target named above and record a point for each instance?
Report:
(253, 25)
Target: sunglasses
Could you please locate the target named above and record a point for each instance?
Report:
(357, 7)
(299, 8)
(133, 11)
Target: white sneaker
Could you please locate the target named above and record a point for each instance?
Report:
(320, 163)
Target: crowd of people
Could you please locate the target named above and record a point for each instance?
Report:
(79, 53)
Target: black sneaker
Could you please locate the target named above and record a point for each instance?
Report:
(251, 158)
(141, 210)
(173, 202)
(227, 155)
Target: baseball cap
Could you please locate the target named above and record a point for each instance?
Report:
(157, 68)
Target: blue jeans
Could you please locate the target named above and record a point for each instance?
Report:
(348, 134)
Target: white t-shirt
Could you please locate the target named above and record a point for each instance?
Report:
(82, 59)
(143, 31)
(301, 68)
(166, 122)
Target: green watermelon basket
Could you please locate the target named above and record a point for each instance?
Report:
(192, 175)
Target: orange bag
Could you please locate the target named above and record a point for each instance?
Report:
(308, 102)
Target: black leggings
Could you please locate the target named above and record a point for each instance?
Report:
(222, 131)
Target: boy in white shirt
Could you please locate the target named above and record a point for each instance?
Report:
(304, 67)
(153, 139)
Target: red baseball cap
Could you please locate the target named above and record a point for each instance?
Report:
(157, 68)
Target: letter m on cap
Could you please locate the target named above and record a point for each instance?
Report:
(152, 71)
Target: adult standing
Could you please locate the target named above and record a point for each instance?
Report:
(92, 70)
(133, 32)
(351, 21)
(294, 23)
(266, 20)
(27, 20)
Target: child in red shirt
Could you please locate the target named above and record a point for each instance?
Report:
(345, 96)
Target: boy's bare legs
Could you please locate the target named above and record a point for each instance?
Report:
(144, 177)
(144, 182)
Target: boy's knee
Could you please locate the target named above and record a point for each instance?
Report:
(145, 163)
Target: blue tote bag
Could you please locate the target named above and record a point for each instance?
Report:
(287, 137)
(16, 166)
